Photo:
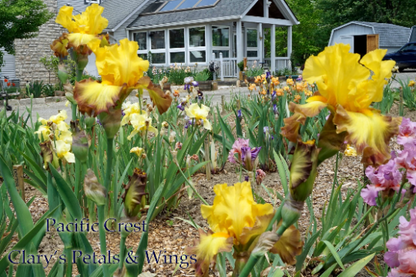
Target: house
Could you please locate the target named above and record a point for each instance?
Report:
(367, 36)
(186, 32)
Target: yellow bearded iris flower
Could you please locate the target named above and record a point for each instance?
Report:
(199, 113)
(63, 151)
(137, 150)
(141, 123)
(348, 86)
(236, 220)
(83, 28)
(128, 110)
(121, 71)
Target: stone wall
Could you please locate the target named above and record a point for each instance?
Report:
(30, 51)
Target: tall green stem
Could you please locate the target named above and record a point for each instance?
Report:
(74, 111)
(109, 163)
(103, 243)
(122, 250)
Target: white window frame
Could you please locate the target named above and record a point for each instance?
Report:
(252, 48)
(196, 48)
(158, 51)
(141, 51)
(177, 50)
(221, 48)
(92, 2)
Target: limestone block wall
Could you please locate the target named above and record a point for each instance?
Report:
(30, 51)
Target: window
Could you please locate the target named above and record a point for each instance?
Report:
(206, 3)
(175, 5)
(188, 4)
(177, 38)
(177, 46)
(197, 56)
(141, 39)
(251, 43)
(159, 58)
(409, 48)
(171, 5)
(197, 49)
(251, 54)
(251, 38)
(157, 39)
(197, 36)
(92, 2)
(225, 53)
(177, 57)
(220, 36)
(143, 56)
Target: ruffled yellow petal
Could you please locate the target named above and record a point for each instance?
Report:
(234, 209)
(381, 72)
(159, 98)
(250, 234)
(369, 131)
(43, 132)
(337, 73)
(207, 124)
(77, 39)
(69, 157)
(64, 18)
(88, 22)
(209, 246)
(289, 245)
(119, 64)
(94, 98)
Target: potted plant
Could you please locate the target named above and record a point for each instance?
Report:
(241, 68)
(202, 78)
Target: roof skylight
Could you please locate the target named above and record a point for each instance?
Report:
(174, 5)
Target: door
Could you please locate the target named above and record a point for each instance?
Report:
(372, 42)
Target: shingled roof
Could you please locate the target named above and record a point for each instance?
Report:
(223, 9)
(116, 11)
(390, 35)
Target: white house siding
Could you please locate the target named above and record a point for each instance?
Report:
(346, 33)
(9, 68)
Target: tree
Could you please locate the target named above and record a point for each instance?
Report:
(20, 19)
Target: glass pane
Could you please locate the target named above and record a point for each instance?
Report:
(197, 56)
(143, 56)
(177, 38)
(251, 38)
(188, 4)
(197, 36)
(171, 5)
(153, 7)
(225, 53)
(177, 57)
(220, 36)
(157, 39)
(158, 58)
(141, 40)
(252, 54)
(206, 3)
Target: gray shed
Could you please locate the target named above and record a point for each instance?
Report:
(366, 36)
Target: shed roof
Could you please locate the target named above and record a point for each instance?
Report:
(390, 35)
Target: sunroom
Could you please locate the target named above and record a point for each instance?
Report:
(190, 32)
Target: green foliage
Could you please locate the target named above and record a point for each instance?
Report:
(254, 72)
(51, 64)
(241, 66)
(19, 21)
(35, 88)
(202, 76)
(48, 90)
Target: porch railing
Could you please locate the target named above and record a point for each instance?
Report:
(228, 66)
(281, 63)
